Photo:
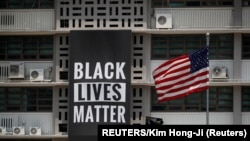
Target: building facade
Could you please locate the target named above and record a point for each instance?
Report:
(34, 59)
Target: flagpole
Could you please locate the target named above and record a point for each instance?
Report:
(207, 113)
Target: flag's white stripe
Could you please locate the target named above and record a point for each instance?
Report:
(164, 81)
(164, 68)
(187, 83)
(166, 75)
(187, 70)
(180, 79)
(170, 82)
(182, 91)
(169, 66)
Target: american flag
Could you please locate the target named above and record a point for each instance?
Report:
(183, 75)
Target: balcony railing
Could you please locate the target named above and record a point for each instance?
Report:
(27, 120)
(27, 20)
(183, 18)
(245, 17)
(22, 71)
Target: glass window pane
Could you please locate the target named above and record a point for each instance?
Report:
(30, 4)
(176, 4)
(245, 98)
(31, 108)
(3, 4)
(26, 47)
(221, 99)
(45, 102)
(245, 46)
(47, 108)
(46, 4)
(221, 45)
(25, 99)
(224, 102)
(225, 96)
(14, 4)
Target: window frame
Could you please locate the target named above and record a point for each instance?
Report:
(245, 53)
(245, 99)
(24, 4)
(27, 48)
(163, 46)
(26, 99)
(191, 3)
(186, 104)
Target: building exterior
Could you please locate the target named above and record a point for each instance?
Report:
(34, 59)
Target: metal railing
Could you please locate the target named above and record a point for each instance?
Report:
(27, 20)
(188, 18)
(47, 67)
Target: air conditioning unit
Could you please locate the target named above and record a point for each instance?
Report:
(2, 131)
(36, 74)
(16, 70)
(163, 20)
(35, 131)
(18, 130)
(219, 73)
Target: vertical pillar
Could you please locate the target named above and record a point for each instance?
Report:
(237, 13)
(237, 118)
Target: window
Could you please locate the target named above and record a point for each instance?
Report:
(26, 47)
(245, 91)
(3, 4)
(30, 4)
(245, 46)
(13, 99)
(245, 3)
(191, 3)
(26, 4)
(168, 46)
(159, 3)
(220, 100)
(46, 4)
(14, 4)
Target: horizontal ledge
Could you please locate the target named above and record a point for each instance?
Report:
(181, 30)
(226, 82)
(30, 83)
(33, 136)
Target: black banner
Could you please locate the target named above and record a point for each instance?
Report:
(174, 132)
(99, 81)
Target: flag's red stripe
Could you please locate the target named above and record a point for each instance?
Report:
(183, 87)
(161, 96)
(176, 69)
(164, 68)
(180, 81)
(176, 76)
(176, 72)
(169, 90)
(169, 69)
(182, 95)
(169, 82)
(169, 62)
(175, 90)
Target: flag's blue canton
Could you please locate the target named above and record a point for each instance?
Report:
(199, 59)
